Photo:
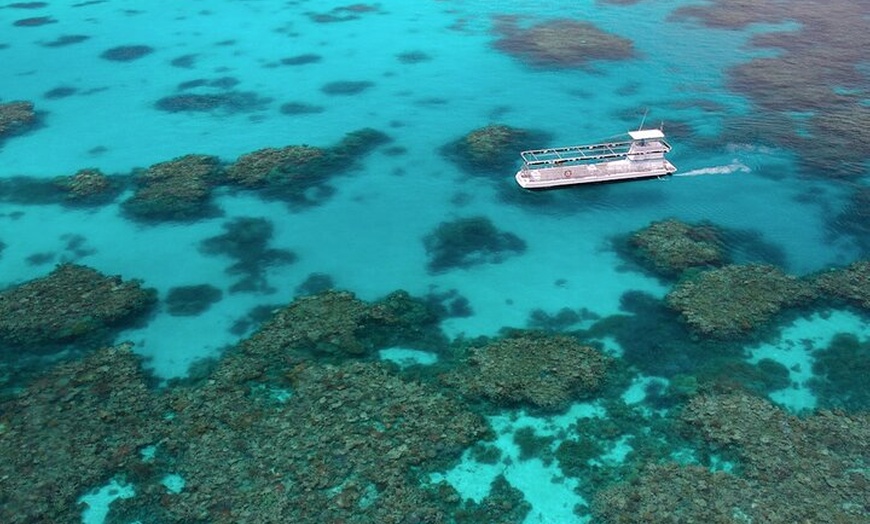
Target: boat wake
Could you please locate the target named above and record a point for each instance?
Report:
(735, 166)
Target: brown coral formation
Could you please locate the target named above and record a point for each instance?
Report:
(670, 247)
(342, 447)
(330, 323)
(802, 470)
(542, 371)
(790, 469)
(87, 186)
(674, 493)
(258, 168)
(179, 189)
(735, 299)
(560, 43)
(72, 302)
(850, 284)
(824, 80)
(71, 431)
(16, 117)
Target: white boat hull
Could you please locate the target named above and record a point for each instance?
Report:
(568, 175)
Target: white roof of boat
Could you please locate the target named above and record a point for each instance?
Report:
(646, 133)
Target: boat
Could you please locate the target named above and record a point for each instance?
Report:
(643, 156)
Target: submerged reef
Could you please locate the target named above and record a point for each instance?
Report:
(787, 469)
(854, 220)
(560, 43)
(734, 300)
(81, 424)
(179, 189)
(466, 242)
(185, 301)
(812, 96)
(88, 187)
(299, 174)
(542, 371)
(70, 304)
(841, 372)
(338, 324)
(491, 149)
(246, 240)
(849, 285)
(669, 247)
(16, 117)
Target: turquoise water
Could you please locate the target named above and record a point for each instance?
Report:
(368, 235)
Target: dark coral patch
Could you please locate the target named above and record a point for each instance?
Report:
(413, 57)
(127, 53)
(307, 58)
(466, 242)
(343, 13)
(65, 40)
(300, 108)
(184, 61)
(346, 87)
(35, 21)
(246, 240)
(230, 102)
(60, 92)
(560, 43)
(186, 301)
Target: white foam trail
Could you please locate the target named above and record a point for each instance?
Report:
(734, 166)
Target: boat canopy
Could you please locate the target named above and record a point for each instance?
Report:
(646, 134)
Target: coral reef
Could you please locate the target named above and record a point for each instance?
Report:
(674, 493)
(71, 430)
(854, 220)
(850, 285)
(343, 448)
(560, 43)
(735, 299)
(491, 149)
(193, 300)
(72, 303)
(669, 247)
(811, 97)
(346, 87)
(330, 323)
(469, 241)
(787, 469)
(225, 102)
(299, 173)
(16, 117)
(337, 324)
(179, 189)
(259, 168)
(801, 469)
(542, 371)
(126, 53)
(246, 240)
(88, 187)
(841, 372)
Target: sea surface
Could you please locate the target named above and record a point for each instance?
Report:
(786, 176)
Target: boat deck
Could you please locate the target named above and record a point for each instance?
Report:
(566, 175)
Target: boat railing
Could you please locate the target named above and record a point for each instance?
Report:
(573, 155)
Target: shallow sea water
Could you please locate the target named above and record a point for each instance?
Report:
(368, 235)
